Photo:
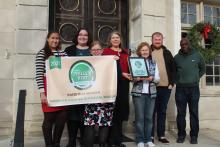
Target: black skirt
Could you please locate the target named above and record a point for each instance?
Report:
(121, 110)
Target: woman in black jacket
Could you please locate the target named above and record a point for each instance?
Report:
(80, 47)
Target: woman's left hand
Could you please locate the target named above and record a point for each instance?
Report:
(150, 78)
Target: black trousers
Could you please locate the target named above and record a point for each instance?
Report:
(89, 135)
(115, 137)
(73, 126)
(52, 135)
(190, 96)
(162, 99)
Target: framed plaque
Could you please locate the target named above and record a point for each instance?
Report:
(138, 67)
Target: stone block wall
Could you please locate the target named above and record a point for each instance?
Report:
(31, 30)
(7, 47)
(23, 29)
(147, 17)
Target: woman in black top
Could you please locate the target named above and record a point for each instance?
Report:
(81, 43)
(80, 47)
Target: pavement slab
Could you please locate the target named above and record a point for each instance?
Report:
(207, 138)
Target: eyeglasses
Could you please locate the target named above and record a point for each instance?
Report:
(98, 49)
(83, 34)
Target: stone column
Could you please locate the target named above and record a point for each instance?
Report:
(31, 29)
(173, 30)
(7, 46)
(147, 17)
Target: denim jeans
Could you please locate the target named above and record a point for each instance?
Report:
(144, 108)
(163, 96)
(190, 96)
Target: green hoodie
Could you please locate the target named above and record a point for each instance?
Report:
(189, 68)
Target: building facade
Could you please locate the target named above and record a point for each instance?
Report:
(25, 23)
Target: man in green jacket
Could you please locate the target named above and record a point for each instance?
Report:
(190, 67)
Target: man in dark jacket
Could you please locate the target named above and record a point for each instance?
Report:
(165, 62)
(190, 67)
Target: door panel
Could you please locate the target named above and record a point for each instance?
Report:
(106, 8)
(100, 17)
(106, 18)
(69, 7)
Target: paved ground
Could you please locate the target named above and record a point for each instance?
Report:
(207, 138)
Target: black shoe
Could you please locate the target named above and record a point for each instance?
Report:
(121, 145)
(164, 140)
(71, 144)
(180, 139)
(152, 140)
(102, 145)
(56, 145)
(194, 140)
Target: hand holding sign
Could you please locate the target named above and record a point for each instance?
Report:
(138, 67)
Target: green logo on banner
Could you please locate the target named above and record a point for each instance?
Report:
(82, 75)
(55, 62)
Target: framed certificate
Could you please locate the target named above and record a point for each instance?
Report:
(138, 67)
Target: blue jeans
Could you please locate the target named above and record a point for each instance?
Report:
(190, 96)
(163, 96)
(144, 108)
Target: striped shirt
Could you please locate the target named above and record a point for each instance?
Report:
(40, 67)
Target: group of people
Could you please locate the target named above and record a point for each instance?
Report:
(150, 94)
(107, 116)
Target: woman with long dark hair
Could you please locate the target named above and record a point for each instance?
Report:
(53, 116)
(80, 47)
(121, 110)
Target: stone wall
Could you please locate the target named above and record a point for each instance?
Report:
(31, 29)
(23, 28)
(147, 17)
(7, 49)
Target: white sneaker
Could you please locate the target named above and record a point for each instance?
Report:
(140, 144)
(150, 144)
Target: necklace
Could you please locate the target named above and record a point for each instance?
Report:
(118, 50)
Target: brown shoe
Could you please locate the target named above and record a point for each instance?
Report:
(164, 140)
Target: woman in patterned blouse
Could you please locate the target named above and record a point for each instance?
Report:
(99, 114)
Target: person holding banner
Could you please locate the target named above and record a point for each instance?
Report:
(52, 115)
(121, 110)
(99, 114)
(80, 47)
(144, 95)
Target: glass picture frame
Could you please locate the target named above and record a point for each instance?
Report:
(138, 67)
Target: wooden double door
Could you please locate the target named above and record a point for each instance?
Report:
(100, 17)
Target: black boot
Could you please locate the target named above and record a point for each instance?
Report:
(56, 145)
(102, 145)
(71, 143)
